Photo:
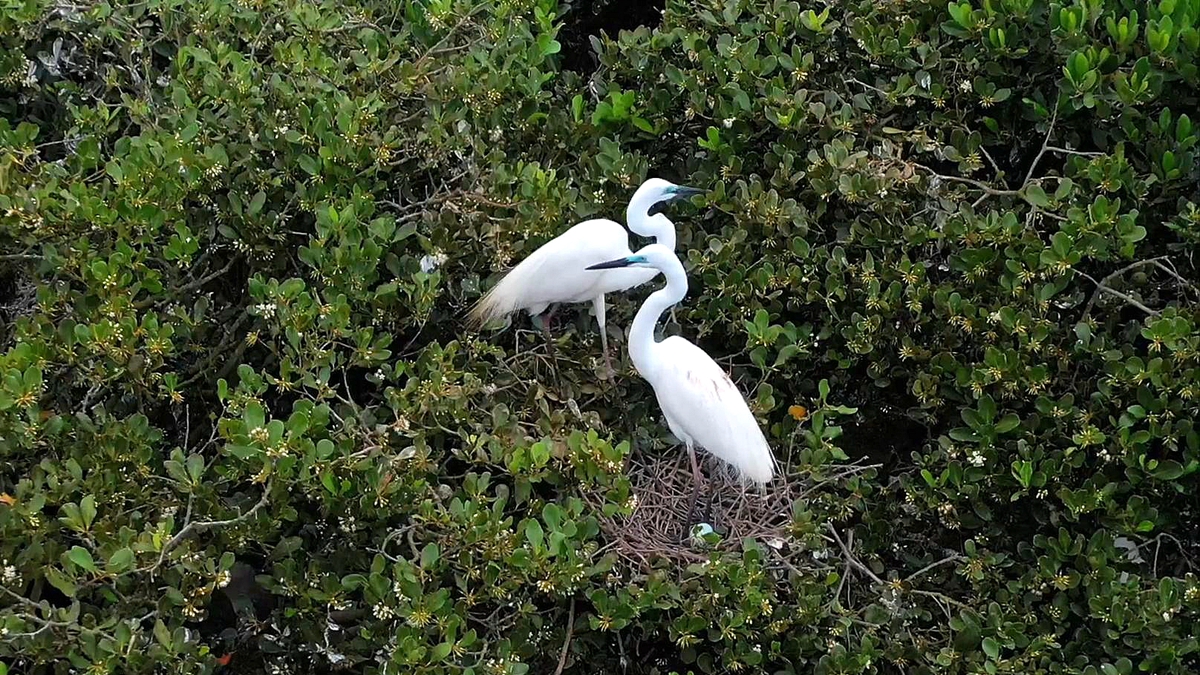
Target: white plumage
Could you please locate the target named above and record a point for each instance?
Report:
(702, 405)
(704, 408)
(556, 272)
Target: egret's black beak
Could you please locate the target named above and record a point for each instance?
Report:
(611, 264)
(677, 193)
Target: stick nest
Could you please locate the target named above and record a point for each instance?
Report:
(663, 488)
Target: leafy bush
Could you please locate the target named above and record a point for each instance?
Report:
(242, 425)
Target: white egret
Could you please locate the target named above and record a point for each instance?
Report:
(701, 404)
(556, 274)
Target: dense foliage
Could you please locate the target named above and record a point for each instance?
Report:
(242, 425)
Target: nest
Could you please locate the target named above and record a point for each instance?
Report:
(663, 486)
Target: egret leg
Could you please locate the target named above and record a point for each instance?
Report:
(544, 320)
(598, 305)
(697, 479)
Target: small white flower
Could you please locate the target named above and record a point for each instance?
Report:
(383, 612)
(10, 573)
(728, 122)
(964, 86)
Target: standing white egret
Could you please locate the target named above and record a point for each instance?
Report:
(702, 405)
(555, 273)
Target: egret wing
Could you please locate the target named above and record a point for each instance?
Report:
(557, 271)
(699, 398)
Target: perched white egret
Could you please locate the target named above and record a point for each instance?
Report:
(702, 405)
(556, 273)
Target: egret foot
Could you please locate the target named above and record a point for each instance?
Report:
(609, 373)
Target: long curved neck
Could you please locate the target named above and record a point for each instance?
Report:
(641, 333)
(658, 226)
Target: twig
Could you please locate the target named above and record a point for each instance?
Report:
(1187, 284)
(1102, 285)
(850, 556)
(197, 283)
(450, 33)
(562, 655)
(944, 598)
(995, 166)
(46, 624)
(206, 525)
(860, 83)
(852, 470)
(1068, 151)
(1042, 151)
(837, 595)
(968, 181)
(943, 561)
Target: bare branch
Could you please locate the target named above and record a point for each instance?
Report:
(190, 286)
(1115, 293)
(1068, 151)
(1102, 285)
(562, 655)
(851, 80)
(969, 181)
(1042, 151)
(939, 563)
(1159, 264)
(190, 526)
(850, 556)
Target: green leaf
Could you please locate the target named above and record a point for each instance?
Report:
(1008, 423)
(61, 581)
(441, 651)
(195, 468)
(309, 164)
(1169, 470)
(120, 560)
(430, 555)
(82, 558)
(552, 514)
(991, 648)
(964, 435)
(254, 416)
(162, 634)
(87, 511)
(1034, 194)
(643, 125)
(533, 532)
(256, 203)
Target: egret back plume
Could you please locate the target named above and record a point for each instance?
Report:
(510, 294)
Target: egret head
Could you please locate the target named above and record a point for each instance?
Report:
(652, 199)
(655, 256)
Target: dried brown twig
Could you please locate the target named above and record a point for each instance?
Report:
(662, 485)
